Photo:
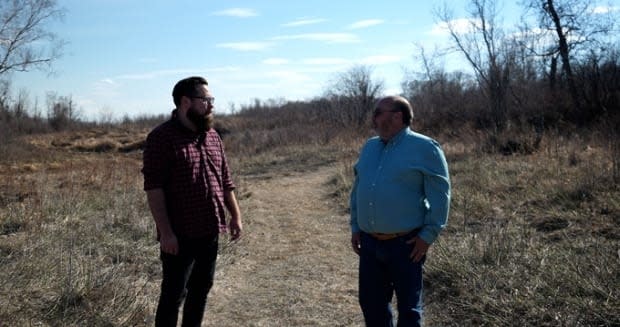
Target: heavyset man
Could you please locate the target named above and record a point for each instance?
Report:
(399, 205)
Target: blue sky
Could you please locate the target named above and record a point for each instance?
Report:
(124, 56)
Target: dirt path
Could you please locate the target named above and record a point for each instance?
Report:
(293, 266)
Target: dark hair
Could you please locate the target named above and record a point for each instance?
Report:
(187, 87)
(401, 104)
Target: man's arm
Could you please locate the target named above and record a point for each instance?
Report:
(157, 203)
(235, 225)
(437, 190)
(355, 229)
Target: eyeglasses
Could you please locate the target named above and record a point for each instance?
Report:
(378, 112)
(209, 100)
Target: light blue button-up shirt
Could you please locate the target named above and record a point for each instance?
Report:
(401, 185)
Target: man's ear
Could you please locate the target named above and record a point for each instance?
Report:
(185, 101)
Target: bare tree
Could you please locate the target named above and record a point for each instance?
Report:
(577, 29)
(353, 94)
(485, 47)
(62, 113)
(5, 87)
(25, 42)
(439, 96)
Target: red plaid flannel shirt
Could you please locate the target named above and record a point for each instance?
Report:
(192, 170)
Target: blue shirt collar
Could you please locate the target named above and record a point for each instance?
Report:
(399, 136)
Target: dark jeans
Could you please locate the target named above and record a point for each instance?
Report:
(187, 276)
(385, 268)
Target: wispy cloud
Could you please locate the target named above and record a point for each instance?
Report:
(289, 76)
(237, 12)
(106, 87)
(152, 74)
(459, 26)
(325, 61)
(322, 37)
(245, 46)
(275, 61)
(165, 72)
(107, 81)
(604, 9)
(304, 21)
(380, 59)
(365, 23)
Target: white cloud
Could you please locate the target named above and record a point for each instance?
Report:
(153, 74)
(108, 81)
(105, 88)
(380, 59)
(166, 72)
(304, 21)
(604, 9)
(292, 84)
(325, 61)
(365, 23)
(322, 37)
(460, 26)
(288, 76)
(237, 12)
(245, 46)
(392, 90)
(275, 61)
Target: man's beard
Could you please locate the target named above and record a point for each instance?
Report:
(202, 122)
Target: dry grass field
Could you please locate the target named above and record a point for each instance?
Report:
(533, 240)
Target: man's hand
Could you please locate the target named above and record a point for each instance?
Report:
(419, 248)
(169, 243)
(235, 227)
(355, 242)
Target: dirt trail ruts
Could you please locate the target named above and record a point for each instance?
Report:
(293, 266)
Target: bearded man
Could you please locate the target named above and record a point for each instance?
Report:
(188, 186)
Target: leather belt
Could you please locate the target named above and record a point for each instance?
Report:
(388, 236)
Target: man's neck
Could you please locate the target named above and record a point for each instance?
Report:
(185, 121)
(387, 138)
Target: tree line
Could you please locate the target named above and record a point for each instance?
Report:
(559, 66)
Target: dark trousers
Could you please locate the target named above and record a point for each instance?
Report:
(187, 276)
(385, 268)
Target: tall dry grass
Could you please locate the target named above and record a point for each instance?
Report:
(75, 239)
(532, 239)
(77, 242)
